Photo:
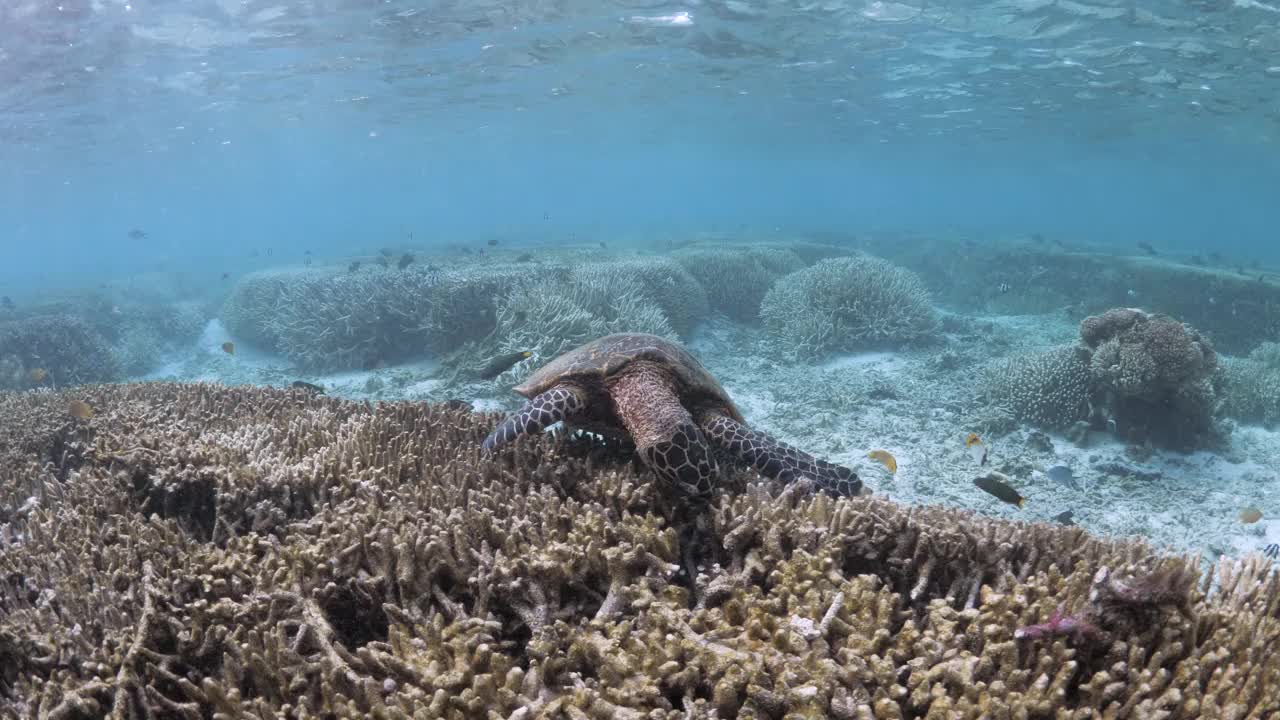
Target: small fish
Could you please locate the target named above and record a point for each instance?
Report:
(602, 245)
(137, 234)
(1066, 517)
(6, 302)
(502, 363)
(302, 385)
(493, 242)
(80, 410)
(229, 348)
(524, 257)
(1145, 247)
(884, 457)
(1250, 515)
(1005, 287)
(353, 266)
(37, 375)
(995, 484)
(1272, 551)
(456, 404)
(1062, 475)
(226, 276)
(972, 439)
(405, 261)
(386, 252)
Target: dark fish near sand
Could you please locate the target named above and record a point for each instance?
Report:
(994, 484)
(353, 266)
(6, 302)
(1145, 247)
(302, 385)
(405, 261)
(1066, 517)
(1062, 475)
(493, 242)
(502, 363)
(229, 348)
(456, 404)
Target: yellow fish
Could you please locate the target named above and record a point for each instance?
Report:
(80, 410)
(1250, 515)
(37, 375)
(884, 457)
(972, 440)
(229, 348)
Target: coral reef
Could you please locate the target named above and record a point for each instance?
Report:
(1049, 389)
(53, 350)
(847, 304)
(663, 281)
(736, 277)
(556, 312)
(1154, 375)
(337, 320)
(1248, 390)
(198, 551)
(559, 308)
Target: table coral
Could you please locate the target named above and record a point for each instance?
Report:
(199, 551)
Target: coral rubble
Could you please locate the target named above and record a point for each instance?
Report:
(198, 551)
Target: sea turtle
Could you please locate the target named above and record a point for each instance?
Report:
(655, 392)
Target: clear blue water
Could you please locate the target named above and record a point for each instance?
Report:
(221, 128)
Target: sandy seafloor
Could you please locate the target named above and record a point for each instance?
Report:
(910, 404)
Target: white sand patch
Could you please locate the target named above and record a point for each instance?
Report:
(884, 361)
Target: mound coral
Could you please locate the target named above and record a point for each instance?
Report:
(847, 304)
(53, 350)
(1155, 375)
(1049, 389)
(198, 551)
(737, 277)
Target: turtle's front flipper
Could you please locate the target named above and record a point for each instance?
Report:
(776, 459)
(548, 408)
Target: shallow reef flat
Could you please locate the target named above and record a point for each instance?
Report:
(200, 551)
(840, 344)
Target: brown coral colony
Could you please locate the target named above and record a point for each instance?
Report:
(281, 553)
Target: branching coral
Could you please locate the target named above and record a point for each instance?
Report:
(737, 277)
(327, 320)
(407, 576)
(1049, 389)
(56, 350)
(847, 304)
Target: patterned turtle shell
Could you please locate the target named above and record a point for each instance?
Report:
(605, 356)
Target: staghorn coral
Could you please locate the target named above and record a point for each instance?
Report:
(847, 304)
(560, 309)
(1049, 389)
(664, 282)
(330, 320)
(1249, 390)
(1155, 377)
(553, 581)
(736, 277)
(66, 347)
